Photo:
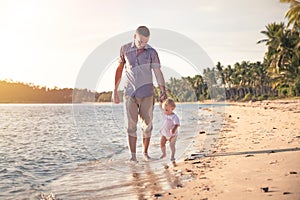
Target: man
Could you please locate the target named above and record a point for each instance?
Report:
(139, 59)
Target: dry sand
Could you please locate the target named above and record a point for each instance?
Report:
(257, 156)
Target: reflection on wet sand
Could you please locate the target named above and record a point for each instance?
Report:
(149, 184)
(145, 180)
(172, 179)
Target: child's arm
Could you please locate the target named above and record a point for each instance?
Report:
(160, 106)
(176, 124)
(173, 130)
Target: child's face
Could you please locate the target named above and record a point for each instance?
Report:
(167, 109)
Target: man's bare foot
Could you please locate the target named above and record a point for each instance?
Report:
(132, 159)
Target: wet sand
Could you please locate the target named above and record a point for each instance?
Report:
(257, 156)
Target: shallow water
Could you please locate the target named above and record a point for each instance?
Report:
(80, 151)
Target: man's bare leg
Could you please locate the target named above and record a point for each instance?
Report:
(132, 146)
(146, 142)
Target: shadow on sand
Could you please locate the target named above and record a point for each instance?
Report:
(248, 153)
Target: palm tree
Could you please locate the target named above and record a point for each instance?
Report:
(220, 70)
(280, 51)
(293, 14)
(274, 35)
(198, 85)
(227, 74)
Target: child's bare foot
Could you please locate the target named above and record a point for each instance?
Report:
(162, 156)
(146, 157)
(174, 163)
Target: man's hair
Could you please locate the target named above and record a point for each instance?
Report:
(143, 30)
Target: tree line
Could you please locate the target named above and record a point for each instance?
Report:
(18, 92)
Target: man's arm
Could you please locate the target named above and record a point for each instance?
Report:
(118, 77)
(161, 83)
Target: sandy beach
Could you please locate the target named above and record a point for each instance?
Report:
(257, 156)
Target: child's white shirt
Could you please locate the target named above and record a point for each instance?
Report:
(169, 122)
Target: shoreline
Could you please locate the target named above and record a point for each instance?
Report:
(256, 156)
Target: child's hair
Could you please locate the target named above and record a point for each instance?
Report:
(170, 102)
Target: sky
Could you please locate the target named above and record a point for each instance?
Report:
(46, 42)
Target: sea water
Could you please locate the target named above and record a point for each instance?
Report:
(79, 151)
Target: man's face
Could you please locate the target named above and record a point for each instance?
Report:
(140, 41)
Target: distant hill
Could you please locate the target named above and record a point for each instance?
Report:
(17, 92)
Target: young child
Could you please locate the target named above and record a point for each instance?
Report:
(169, 129)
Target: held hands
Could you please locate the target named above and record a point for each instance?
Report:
(163, 96)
